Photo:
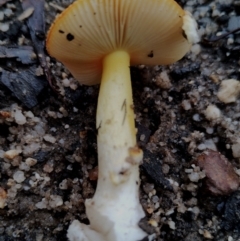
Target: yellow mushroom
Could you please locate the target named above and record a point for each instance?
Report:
(98, 40)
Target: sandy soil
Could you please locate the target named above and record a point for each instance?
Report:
(48, 154)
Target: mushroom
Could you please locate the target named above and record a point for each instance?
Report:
(98, 40)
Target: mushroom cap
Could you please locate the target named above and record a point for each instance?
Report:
(88, 30)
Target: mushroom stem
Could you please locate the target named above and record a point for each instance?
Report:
(115, 120)
(115, 210)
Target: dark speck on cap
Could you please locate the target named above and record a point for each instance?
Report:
(70, 37)
(150, 55)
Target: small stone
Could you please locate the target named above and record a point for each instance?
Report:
(63, 111)
(196, 210)
(186, 104)
(31, 161)
(4, 27)
(64, 185)
(221, 178)
(209, 144)
(66, 82)
(39, 71)
(229, 91)
(43, 204)
(194, 177)
(201, 147)
(212, 113)
(55, 201)
(26, 14)
(3, 198)
(49, 138)
(153, 223)
(11, 154)
(24, 167)
(172, 225)
(236, 150)
(8, 12)
(150, 210)
(207, 234)
(209, 130)
(93, 174)
(163, 81)
(48, 168)
(196, 117)
(19, 117)
(19, 177)
(29, 114)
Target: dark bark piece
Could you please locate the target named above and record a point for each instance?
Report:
(153, 167)
(232, 213)
(36, 25)
(24, 85)
(221, 178)
(23, 54)
(14, 31)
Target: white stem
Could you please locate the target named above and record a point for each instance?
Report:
(115, 211)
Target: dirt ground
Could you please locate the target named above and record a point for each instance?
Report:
(188, 127)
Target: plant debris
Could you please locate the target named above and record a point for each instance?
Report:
(36, 25)
(221, 178)
(24, 84)
(23, 54)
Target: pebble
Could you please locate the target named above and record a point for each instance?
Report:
(66, 82)
(172, 225)
(229, 90)
(19, 117)
(4, 27)
(43, 204)
(209, 130)
(49, 138)
(19, 177)
(207, 234)
(236, 150)
(212, 113)
(194, 177)
(201, 147)
(63, 185)
(196, 117)
(24, 167)
(148, 187)
(31, 161)
(3, 198)
(8, 12)
(153, 223)
(27, 13)
(29, 114)
(186, 105)
(163, 80)
(55, 201)
(221, 178)
(11, 154)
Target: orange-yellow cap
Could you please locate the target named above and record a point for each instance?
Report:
(88, 30)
